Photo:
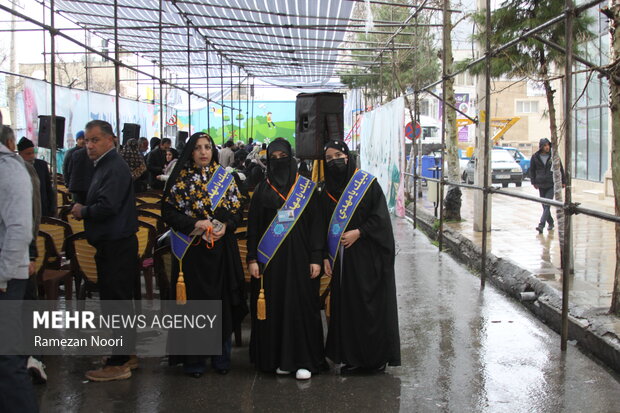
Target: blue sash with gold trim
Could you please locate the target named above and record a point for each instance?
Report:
(345, 208)
(278, 231)
(218, 185)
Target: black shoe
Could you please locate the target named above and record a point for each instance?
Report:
(539, 229)
(223, 372)
(347, 370)
(550, 227)
(378, 370)
(195, 375)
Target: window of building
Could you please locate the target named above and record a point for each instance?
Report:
(425, 108)
(591, 127)
(464, 79)
(527, 106)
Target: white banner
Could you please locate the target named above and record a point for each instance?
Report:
(382, 133)
(78, 107)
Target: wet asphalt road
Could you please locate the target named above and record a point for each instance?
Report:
(463, 350)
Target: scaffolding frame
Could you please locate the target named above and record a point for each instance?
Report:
(320, 68)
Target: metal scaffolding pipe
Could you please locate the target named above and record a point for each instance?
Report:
(568, 128)
(117, 83)
(53, 130)
(487, 132)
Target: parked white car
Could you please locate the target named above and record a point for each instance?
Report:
(505, 169)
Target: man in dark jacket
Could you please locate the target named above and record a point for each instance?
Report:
(25, 148)
(79, 143)
(111, 222)
(542, 179)
(156, 160)
(80, 172)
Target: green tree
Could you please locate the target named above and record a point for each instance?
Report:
(399, 69)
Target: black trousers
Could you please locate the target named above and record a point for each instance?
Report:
(546, 215)
(16, 391)
(117, 269)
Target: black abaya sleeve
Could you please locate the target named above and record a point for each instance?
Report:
(378, 225)
(318, 230)
(254, 216)
(176, 219)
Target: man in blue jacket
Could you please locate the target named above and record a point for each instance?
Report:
(542, 179)
(111, 223)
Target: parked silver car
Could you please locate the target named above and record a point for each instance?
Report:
(505, 169)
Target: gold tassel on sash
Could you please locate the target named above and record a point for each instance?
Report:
(261, 306)
(181, 293)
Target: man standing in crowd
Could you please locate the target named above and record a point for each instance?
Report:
(25, 148)
(143, 146)
(542, 179)
(16, 392)
(227, 155)
(79, 174)
(79, 143)
(156, 161)
(111, 222)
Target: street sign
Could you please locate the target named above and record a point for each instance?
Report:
(411, 132)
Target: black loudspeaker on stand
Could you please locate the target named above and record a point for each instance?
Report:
(319, 118)
(45, 125)
(130, 131)
(182, 137)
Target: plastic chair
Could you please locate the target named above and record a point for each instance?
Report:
(149, 199)
(153, 208)
(49, 274)
(152, 219)
(62, 197)
(58, 229)
(82, 257)
(76, 225)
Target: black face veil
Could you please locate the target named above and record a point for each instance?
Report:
(335, 180)
(281, 172)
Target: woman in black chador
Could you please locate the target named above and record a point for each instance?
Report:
(290, 338)
(212, 270)
(363, 327)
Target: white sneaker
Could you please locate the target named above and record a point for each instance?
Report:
(36, 370)
(282, 372)
(303, 374)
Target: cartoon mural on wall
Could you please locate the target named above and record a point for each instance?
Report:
(264, 120)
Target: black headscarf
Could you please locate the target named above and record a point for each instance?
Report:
(335, 182)
(187, 158)
(281, 173)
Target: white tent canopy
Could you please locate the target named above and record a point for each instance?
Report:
(288, 43)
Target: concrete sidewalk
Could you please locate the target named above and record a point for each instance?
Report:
(513, 236)
(516, 247)
(463, 350)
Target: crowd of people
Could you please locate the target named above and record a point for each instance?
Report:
(297, 231)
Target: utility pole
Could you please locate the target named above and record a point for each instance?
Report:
(481, 83)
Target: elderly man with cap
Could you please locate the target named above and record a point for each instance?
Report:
(66, 165)
(25, 147)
